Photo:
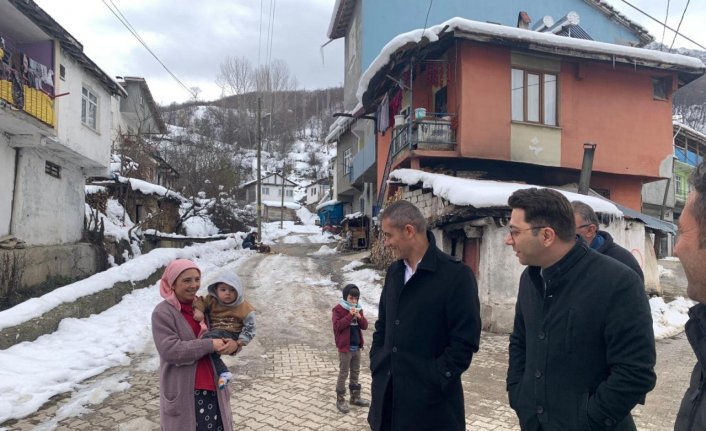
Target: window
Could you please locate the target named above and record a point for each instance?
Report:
(661, 88)
(534, 97)
(679, 185)
(265, 190)
(289, 193)
(347, 159)
(62, 72)
(89, 108)
(52, 169)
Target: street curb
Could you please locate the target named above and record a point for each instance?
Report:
(80, 308)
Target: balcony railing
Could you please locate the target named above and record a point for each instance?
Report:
(427, 134)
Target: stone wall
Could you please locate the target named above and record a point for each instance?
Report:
(42, 263)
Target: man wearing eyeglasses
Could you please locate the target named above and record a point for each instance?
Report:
(587, 227)
(582, 349)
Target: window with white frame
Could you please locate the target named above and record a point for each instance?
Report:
(290, 193)
(265, 190)
(89, 108)
(347, 159)
(534, 97)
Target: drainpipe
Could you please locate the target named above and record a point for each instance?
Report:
(18, 157)
(589, 150)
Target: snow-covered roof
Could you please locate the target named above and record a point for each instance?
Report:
(268, 176)
(150, 189)
(327, 203)
(681, 126)
(339, 126)
(343, 10)
(278, 204)
(486, 194)
(92, 189)
(535, 41)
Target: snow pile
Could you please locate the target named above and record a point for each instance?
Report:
(306, 216)
(323, 251)
(668, 319)
(294, 239)
(665, 272)
(199, 227)
(33, 372)
(136, 269)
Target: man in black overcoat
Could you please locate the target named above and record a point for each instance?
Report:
(691, 250)
(582, 349)
(427, 331)
(587, 227)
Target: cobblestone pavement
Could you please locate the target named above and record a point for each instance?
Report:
(287, 383)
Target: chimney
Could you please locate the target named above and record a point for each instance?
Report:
(589, 150)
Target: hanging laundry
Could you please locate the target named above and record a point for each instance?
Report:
(384, 115)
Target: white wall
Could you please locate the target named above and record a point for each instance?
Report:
(94, 144)
(7, 183)
(47, 210)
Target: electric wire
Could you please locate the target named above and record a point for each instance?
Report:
(664, 28)
(132, 30)
(663, 23)
(679, 26)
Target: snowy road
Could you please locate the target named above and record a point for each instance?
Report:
(292, 292)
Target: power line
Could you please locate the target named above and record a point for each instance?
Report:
(680, 21)
(663, 23)
(664, 28)
(259, 41)
(427, 18)
(132, 30)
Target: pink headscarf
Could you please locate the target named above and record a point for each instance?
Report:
(169, 277)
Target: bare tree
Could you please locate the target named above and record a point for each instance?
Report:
(236, 76)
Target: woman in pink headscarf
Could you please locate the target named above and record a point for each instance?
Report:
(189, 395)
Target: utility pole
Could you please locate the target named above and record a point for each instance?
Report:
(259, 175)
(281, 212)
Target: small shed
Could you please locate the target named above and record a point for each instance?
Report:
(330, 213)
(358, 225)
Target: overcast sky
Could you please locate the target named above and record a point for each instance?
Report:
(193, 38)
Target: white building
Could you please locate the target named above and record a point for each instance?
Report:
(318, 190)
(56, 126)
(271, 186)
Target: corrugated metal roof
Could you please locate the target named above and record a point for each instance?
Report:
(574, 31)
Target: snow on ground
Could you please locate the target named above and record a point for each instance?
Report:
(199, 227)
(668, 319)
(665, 272)
(306, 216)
(323, 251)
(33, 372)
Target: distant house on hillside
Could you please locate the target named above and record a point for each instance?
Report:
(317, 191)
(271, 187)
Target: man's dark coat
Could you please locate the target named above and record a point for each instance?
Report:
(692, 412)
(425, 336)
(622, 255)
(582, 353)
